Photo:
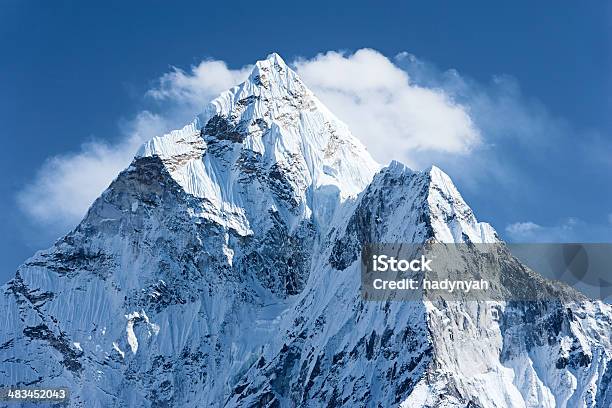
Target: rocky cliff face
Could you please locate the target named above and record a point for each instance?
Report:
(221, 268)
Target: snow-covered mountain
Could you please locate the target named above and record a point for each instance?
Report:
(221, 269)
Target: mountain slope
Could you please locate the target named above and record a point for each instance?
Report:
(221, 269)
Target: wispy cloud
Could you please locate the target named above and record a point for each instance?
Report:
(531, 232)
(198, 86)
(515, 128)
(66, 185)
(567, 230)
(394, 117)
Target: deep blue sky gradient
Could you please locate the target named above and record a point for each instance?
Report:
(70, 71)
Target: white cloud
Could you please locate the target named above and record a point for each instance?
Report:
(520, 228)
(568, 230)
(66, 185)
(204, 82)
(392, 116)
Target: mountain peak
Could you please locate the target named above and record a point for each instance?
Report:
(452, 219)
(449, 218)
(272, 59)
(273, 72)
(271, 125)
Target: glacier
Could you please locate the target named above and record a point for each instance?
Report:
(221, 269)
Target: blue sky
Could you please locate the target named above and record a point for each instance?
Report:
(533, 76)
